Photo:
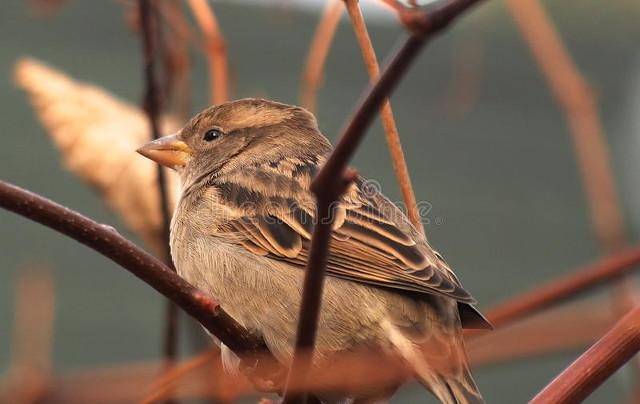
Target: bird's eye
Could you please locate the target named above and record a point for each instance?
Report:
(212, 134)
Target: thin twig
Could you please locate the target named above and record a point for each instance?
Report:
(29, 375)
(386, 114)
(167, 382)
(424, 26)
(215, 49)
(566, 328)
(557, 329)
(175, 38)
(574, 95)
(595, 366)
(314, 284)
(395, 5)
(318, 51)
(554, 292)
(149, 23)
(126, 382)
(331, 181)
(108, 242)
(463, 89)
(576, 98)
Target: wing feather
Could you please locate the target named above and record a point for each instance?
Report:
(372, 243)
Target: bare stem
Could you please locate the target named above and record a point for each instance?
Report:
(559, 290)
(333, 178)
(313, 286)
(175, 39)
(596, 365)
(386, 114)
(152, 105)
(576, 98)
(108, 242)
(29, 376)
(215, 49)
(312, 75)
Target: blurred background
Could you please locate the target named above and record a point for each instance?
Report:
(487, 147)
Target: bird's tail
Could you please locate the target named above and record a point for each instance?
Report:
(443, 370)
(455, 389)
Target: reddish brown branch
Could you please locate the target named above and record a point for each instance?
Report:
(318, 51)
(314, 284)
(29, 374)
(575, 97)
(149, 24)
(562, 289)
(467, 68)
(333, 178)
(559, 329)
(175, 39)
(424, 26)
(395, 5)
(163, 387)
(215, 49)
(595, 366)
(130, 381)
(108, 242)
(386, 114)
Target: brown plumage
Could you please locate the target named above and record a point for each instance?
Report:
(242, 231)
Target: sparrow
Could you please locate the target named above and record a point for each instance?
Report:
(241, 231)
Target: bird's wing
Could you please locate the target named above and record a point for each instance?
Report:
(372, 241)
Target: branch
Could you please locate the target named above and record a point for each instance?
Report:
(467, 65)
(29, 374)
(333, 178)
(394, 5)
(606, 270)
(108, 242)
(424, 27)
(215, 49)
(573, 94)
(596, 365)
(318, 51)
(175, 39)
(386, 114)
(162, 388)
(149, 23)
(559, 329)
(152, 102)
(313, 286)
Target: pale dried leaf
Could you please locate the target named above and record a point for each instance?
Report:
(97, 135)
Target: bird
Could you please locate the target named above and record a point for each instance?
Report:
(242, 231)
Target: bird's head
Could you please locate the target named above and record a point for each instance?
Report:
(236, 134)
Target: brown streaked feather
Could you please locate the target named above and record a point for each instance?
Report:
(280, 236)
(372, 244)
(409, 255)
(249, 231)
(380, 226)
(249, 245)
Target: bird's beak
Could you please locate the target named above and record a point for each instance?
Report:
(168, 151)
